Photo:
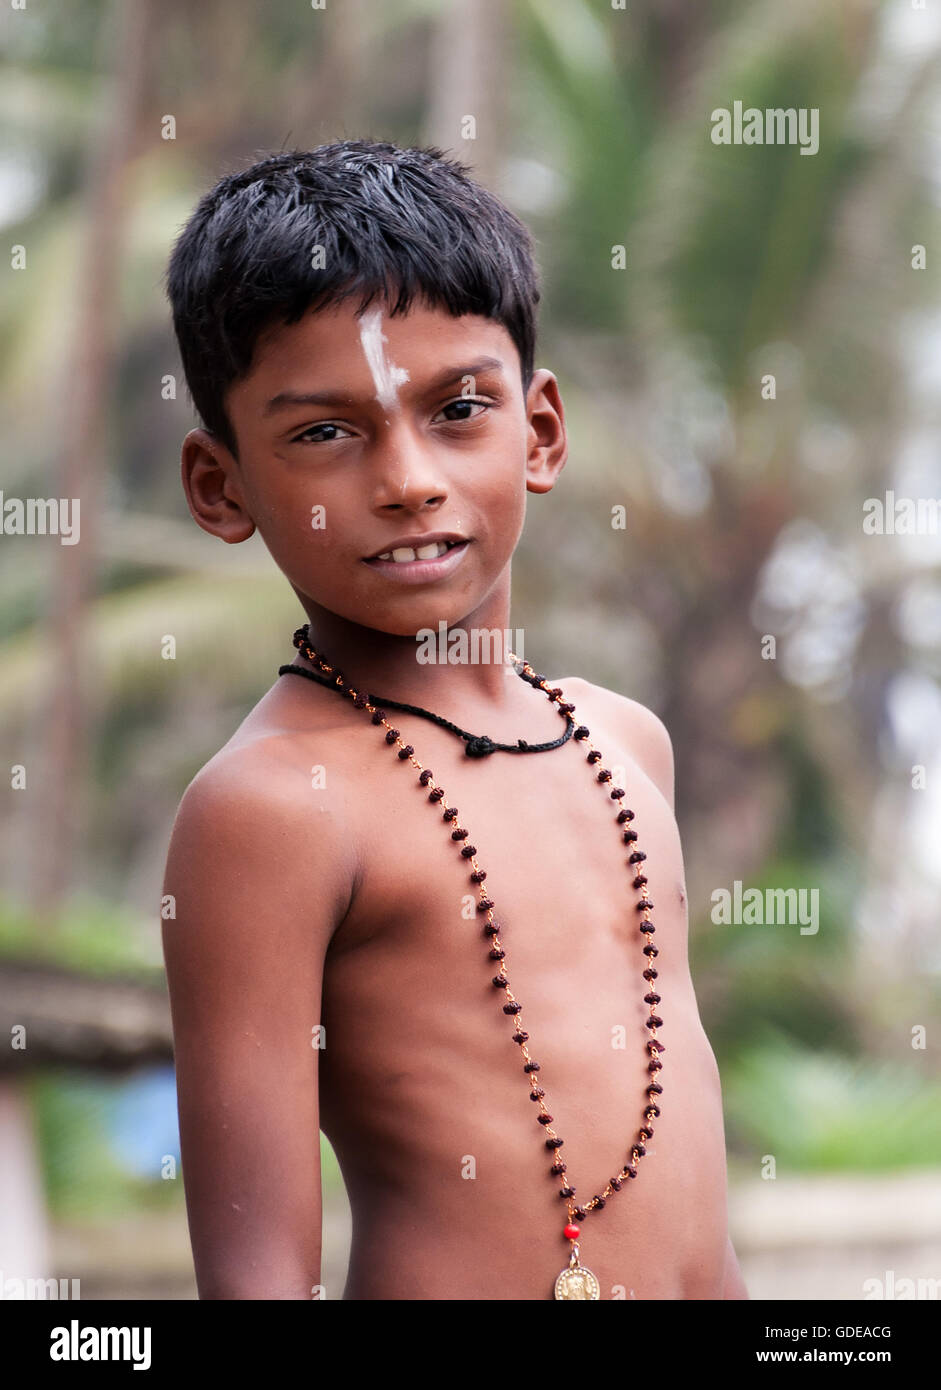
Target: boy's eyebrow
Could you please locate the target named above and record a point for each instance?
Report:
(285, 399)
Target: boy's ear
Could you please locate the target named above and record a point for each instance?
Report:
(548, 441)
(213, 490)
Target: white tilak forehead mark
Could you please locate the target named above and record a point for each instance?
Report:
(386, 377)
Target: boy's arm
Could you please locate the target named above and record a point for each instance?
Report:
(259, 881)
(733, 1285)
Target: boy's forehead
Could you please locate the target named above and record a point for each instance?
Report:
(331, 346)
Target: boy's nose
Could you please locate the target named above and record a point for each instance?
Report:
(407, 473)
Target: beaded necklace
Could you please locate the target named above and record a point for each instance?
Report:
(475, 745)
(575, 1281)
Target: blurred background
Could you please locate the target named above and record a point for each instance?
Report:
(765, 358)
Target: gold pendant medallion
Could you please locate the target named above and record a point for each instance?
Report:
(576, 1281)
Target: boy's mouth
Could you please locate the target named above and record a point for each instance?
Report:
(428, 550)
(421, 560)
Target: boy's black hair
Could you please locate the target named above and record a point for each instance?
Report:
(397, 223)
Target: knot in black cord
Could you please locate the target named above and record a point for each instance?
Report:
(479, 746)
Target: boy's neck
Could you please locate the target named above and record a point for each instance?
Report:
(388, 665)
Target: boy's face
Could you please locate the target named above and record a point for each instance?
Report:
(420, 426)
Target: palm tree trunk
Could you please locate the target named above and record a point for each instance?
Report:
(64, 718)
(468, 77)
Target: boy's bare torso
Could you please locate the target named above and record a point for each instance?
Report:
(422, 1092)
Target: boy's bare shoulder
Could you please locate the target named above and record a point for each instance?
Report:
(256, 802)
(644, 732)
(267, 763)
(247, 776)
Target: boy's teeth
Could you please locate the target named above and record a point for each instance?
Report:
(424, 552)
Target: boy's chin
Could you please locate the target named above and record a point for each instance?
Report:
(417, 628)
(419, 623)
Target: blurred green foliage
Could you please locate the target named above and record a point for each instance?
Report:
(738, 263)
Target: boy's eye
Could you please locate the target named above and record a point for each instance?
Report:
(463, 405)
(312, 429)
(463, 401)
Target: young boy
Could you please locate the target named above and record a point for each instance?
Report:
(357, 328)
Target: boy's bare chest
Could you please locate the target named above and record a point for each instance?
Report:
(420, 1067)
(558, 873)
(544, 829)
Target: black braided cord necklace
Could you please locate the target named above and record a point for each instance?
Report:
(475, 745)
